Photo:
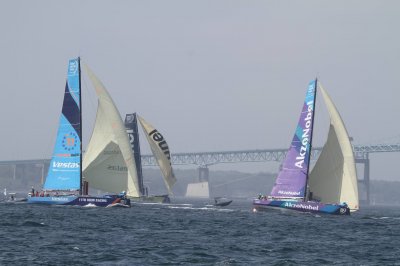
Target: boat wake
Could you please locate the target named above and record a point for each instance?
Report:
(383, 218)
(90, 205)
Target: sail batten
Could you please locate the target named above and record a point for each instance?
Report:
(108, 163)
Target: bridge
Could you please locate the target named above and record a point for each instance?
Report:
(204, 159)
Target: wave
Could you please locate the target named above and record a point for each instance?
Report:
(200, 208)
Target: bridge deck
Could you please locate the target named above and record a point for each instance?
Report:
(210, 158)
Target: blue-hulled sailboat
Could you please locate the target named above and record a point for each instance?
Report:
(331, 186)
(64, 183)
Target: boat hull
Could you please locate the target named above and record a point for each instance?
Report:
(307, 206)
(222, 204)
(74, 200)
(152, 199)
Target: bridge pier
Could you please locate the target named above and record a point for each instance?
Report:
(204, 174)
(366, 179)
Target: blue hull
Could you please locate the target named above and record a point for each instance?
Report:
(307, 206)
(103, 201)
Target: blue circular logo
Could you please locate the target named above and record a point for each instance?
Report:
(69, 141)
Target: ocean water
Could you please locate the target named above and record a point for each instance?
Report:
(195, 233)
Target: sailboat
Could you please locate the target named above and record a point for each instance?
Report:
(331, 186)
(161, 152)
(64, 183)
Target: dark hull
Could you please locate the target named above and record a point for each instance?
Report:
(73, 200)
(221, 204)
(308, 206)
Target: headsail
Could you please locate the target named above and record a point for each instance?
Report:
(133, 134)
(108, 163)
(65, 166)
(334, 177)
(292, 179)
(161, 152)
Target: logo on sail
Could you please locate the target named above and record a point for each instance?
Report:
(117, 168)
(73, 67)
(65, 165)
(130, 118)
(131, 137)
(69, 141)
(290, 193)
(157, 137)
(305, 138)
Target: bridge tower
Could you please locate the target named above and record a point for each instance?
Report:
(366, 178)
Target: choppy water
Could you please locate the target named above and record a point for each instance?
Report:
(190, 233)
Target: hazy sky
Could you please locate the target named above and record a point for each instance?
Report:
(210, 75)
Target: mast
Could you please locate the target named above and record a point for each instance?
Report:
(138, 156)
(310, 142)
(80, 125)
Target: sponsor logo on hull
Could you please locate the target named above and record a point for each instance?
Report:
(303, 206)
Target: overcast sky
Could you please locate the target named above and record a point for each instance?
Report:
(210, 75)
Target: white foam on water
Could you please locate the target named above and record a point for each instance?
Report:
(90, 205)
(384, 218)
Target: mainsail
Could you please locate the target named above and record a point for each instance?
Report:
(65, 166)
(292, 179)
(131, 126)
(334, 177)
(108, 164)
(161, 152)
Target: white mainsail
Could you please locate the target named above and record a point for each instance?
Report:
(334, 177)
(108, 163)
(161, 152)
